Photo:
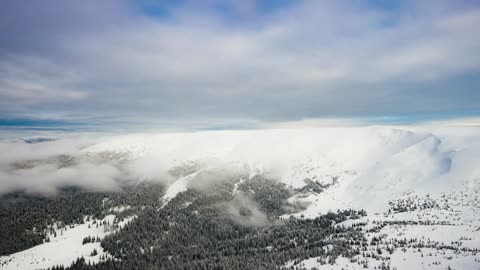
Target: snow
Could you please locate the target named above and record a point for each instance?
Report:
(366, 161)
(454, 221)
(410, 259)
(63, 249)
(364, 168)
(235, 187)
(341, 263)
(119, 209)
(177, 187)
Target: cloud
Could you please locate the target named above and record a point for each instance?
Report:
(245, 211)
(47, 166)
(302, 60)
(423, 158)
(48, 179)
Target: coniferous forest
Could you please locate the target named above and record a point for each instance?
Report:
(216, 225)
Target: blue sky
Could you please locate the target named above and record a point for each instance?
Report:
(237, 64)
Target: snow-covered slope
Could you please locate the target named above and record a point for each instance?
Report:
(414, 181)
(64, 247)
(364, 167)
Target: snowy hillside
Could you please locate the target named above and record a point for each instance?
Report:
(419, 185)
(364, 167)
(65, 246)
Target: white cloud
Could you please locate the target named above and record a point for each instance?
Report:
(367, 159)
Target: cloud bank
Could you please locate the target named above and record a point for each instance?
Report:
(362, 162)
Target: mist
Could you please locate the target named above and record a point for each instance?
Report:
(364, 159)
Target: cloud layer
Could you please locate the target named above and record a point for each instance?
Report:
(226, 62)
(363, 159)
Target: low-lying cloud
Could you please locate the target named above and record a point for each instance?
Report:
(246, 211)
(378, 158)
(47, 166)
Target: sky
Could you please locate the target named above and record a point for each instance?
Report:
(220, 64)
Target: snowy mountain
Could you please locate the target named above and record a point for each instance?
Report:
(355, 163)
(416, 183)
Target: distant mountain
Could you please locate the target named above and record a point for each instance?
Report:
(38, 139)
